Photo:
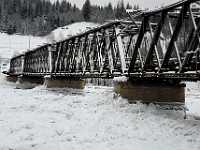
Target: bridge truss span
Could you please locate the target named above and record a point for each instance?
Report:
(159, 44)
(99, 52)
(168, 41)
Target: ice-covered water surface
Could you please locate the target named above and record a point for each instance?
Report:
(92, 119)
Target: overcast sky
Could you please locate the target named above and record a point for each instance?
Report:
(143, 3)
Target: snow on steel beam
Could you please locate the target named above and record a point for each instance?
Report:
(96, 29)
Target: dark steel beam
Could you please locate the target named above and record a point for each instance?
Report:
(175, 35)
(154, 42)
(143, 29)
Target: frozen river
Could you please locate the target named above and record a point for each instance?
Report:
(92, 119)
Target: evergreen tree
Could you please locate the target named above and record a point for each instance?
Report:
(120, 11)
(136, 7)
(86, 10)
(128, 6)
(39, 17)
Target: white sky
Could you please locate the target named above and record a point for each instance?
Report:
(143, 3)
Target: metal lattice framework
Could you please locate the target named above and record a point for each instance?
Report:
(167, 44)
(162, 44)
(16, 65)
(99, 52)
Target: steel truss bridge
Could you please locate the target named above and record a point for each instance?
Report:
(159, 44)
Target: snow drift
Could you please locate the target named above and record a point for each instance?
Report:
(92, 119)
(11, 45)
(70, 30)
(15, 44)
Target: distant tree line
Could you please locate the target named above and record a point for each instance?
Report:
(39, 17)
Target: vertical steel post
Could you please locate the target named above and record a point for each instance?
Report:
(22, 63)
(51, 49)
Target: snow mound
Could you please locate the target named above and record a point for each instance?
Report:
(64, 32)
(11, 45)
(120, 79)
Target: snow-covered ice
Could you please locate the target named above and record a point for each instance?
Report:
(60, 119)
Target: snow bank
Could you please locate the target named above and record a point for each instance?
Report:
(69, 30)
(120, 79)
(92, 118)
(193, 99)
(14, 44)
(11, 45)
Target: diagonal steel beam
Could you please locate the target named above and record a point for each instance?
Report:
(109, 49)
(193, 41)
(156, 36)
(76, 52)
(191, 50)
(142, 31)
(175, 44)
(194, 22)
(121, 51)
(129, 46)
(59, 51)
(175, 35)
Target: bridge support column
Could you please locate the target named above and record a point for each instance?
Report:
(26, 82)
(160, 92)
(62, 82)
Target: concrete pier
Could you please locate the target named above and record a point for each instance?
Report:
(99, 82)
(11, 78)
(151, 92)
(59, 82)
(25, 82)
